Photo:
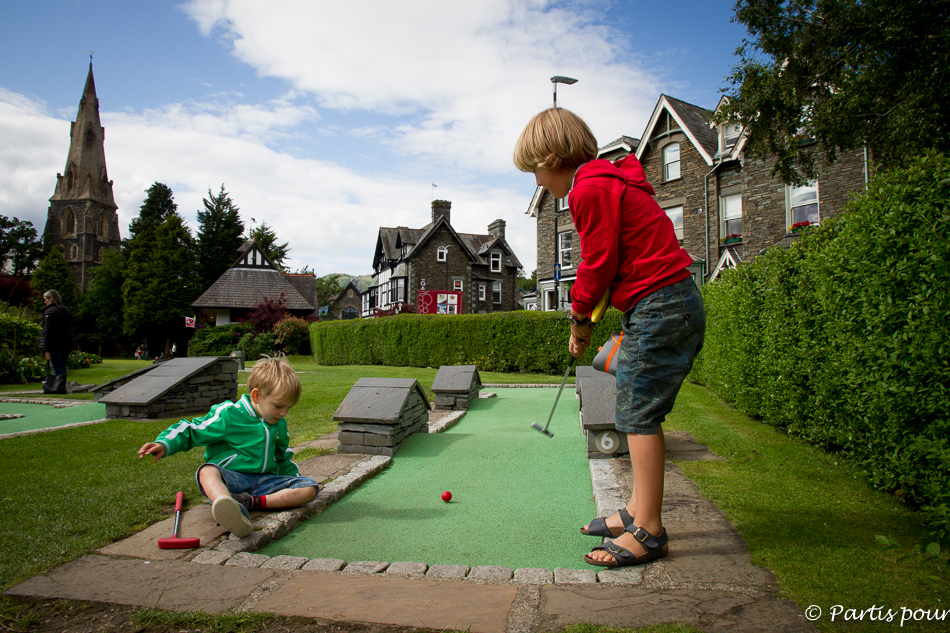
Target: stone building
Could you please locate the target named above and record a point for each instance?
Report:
(483, 268)
(349, 303)
(726, 208)
(82, 218)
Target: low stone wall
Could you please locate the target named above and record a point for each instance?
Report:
(193, 395)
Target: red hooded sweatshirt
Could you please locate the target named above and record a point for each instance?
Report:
(627, 240)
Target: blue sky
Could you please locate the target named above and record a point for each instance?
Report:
(329, 119)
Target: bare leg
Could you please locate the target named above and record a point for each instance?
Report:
(210, 479)
(290, 497)
(647, 457)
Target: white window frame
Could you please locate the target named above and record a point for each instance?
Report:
(670, 166)
(729, 215)
(562, 204)
(496, 262)
(481, 292)
(565, 253)
(729, 136)
(674, 213)
(457, 283)
(496, 292)
(442, 254)
(790, 193)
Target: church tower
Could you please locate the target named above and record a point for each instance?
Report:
(82, 216)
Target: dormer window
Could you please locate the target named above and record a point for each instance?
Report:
(671, 161)
(404, 251)
(496, 262)
(442, 254)
(730, 136)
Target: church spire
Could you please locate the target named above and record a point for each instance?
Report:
(85, 176)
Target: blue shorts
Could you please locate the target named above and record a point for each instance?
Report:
(662, 334)
(257, 484)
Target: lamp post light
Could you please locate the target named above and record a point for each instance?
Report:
(558, 79)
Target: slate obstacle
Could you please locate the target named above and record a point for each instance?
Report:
(455, 386)
(378, 414)
(176, 387)
(597, 392)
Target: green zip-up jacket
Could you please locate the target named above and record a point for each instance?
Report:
(235, 438)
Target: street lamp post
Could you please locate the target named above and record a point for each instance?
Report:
(558, 79)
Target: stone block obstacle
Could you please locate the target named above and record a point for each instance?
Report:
(455, 386)
(176, 387)
(378, 414)
(597, 392)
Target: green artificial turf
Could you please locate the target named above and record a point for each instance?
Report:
(41, 416)
(519, 497)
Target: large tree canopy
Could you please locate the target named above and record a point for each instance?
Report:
(841, 73)
(219, 236)
(159, 204)
(20, 250)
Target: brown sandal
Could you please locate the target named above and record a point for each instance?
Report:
(656, 547)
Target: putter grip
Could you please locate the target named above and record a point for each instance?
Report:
(598, 312)
(179, 501)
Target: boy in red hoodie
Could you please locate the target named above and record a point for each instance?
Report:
(629, 247)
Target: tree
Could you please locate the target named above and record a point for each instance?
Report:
(265, 237)
(160, 281)
(328, 289)
(525, 283)
(220, 233)
(19, 247)
(841, 73)
(102, 302)
(53, 273)
(159, 204)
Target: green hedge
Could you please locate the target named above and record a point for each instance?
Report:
(18, 335)
(218, 341)
(843, 338)
(524, 341)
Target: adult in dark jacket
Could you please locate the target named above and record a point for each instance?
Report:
(57, 337)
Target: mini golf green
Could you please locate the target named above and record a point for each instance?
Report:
(518, 497)
(43, 416)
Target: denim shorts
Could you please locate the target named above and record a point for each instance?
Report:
(256, 484)
(662, 334)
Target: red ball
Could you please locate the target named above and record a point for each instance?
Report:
(446, 496)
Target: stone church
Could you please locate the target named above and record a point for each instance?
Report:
(82, 218)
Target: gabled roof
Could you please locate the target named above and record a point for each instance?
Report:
(390, 241)
(352, 285)
(245, 284)
(730, 259)
(692, 119)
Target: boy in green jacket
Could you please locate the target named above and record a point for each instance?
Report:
(248, 461)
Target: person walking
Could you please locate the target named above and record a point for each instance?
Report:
(57, 337)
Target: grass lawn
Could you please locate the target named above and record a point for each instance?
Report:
(808, 517)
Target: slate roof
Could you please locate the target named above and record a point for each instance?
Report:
(378, 400)
(391, 240)
(245, 284)
(456, 379)
(694, 122)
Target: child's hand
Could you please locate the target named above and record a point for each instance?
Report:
(152, 448)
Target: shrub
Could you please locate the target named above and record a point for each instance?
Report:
(255, 346)
(523, 341)
(292, 336)
(842, 339)
(265, 316)
(18, 335)
(218, 341)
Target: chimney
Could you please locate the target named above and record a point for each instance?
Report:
(441, 208)
(497, 228)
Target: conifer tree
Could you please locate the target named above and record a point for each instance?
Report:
(53, 274)
(265, 237)
(219, 236)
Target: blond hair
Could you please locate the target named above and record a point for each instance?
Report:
(275, 375)
(555, 139)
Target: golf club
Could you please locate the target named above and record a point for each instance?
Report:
(175, 541)
(595, 316)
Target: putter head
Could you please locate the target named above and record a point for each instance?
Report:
(535, 425)
(173, 542)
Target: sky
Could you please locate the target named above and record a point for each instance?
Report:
(327, 120)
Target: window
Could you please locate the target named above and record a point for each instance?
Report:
(496, 262)
(404, 250)
(671, 161)
(397, 290)
(458, 285)
(676, 215)
(731, 222)
(442, 254)
(496, 291)
(730, 135)
(803, 204)
(562, 204)
(69, 222)
(349, 312)
(550, 302)
(481, 292)
(74, 253)
(564, 249)
(101, 226)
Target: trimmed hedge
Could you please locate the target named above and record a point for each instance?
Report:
(523, 341)
(843, 339)
(218, 341)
